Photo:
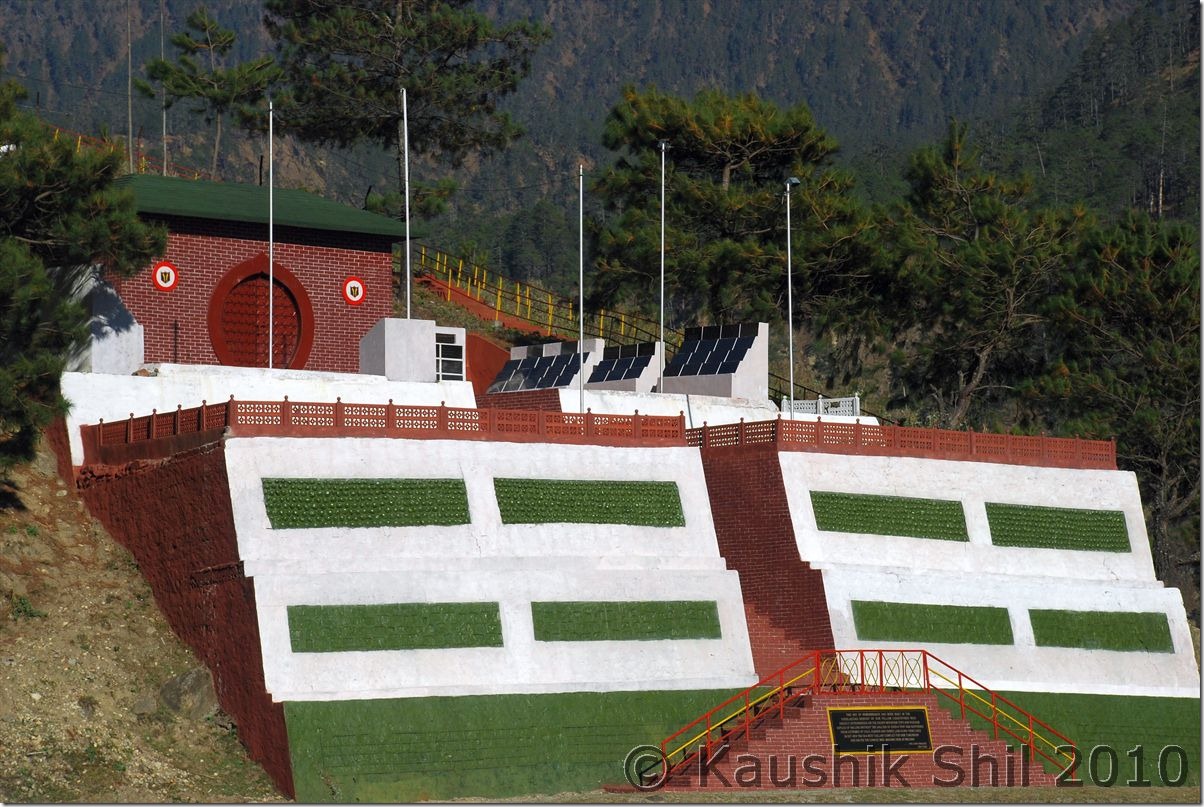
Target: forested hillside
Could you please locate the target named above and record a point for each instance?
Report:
(876, 75)
(1122, 130)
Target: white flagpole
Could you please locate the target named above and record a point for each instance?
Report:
(271, 243)
(790, 293)
(581, 289)
(405, 121)
(661, 375)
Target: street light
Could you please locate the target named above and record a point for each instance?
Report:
(664, 144)
(792, 181)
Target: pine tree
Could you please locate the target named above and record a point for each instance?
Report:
(970, 265)
(1127, 317)
(216, 89)
(60, 217)
(346, 65)
(725, 238)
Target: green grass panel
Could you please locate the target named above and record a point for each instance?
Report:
(1058, 528)
(393, 626)
(1120, 722)
(300, 503)
(1103, 630)
(571, 501)
(631, 621)
(413, 749)
(889, 515)
(923, 623)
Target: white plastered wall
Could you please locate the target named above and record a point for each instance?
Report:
(94, 396)
(485, 560)
(918, 570)
(697, 410)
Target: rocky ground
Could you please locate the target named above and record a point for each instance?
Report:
(98, 699)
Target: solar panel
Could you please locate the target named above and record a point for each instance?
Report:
(621, 368)
(536, 372)
(601, 369)
(712, 350)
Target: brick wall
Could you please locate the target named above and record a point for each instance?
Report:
(542, 399)
(56, 439)
(176, 322)
(784, 598)
(175, 518)
(485, 361)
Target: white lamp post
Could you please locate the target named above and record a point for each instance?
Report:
(405, 127)
(271, 241)
(581, 290)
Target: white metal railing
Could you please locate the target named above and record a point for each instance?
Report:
(846, 407)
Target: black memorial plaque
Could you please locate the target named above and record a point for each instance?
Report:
(899, 729)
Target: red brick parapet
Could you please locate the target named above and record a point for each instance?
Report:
(872, 440)
(161, 435)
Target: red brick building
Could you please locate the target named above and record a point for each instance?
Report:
(209, 304)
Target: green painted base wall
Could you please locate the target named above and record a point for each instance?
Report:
(1121, 722)
(409, 749)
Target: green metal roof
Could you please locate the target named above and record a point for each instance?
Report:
(202, 199)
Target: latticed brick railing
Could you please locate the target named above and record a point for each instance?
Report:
(903, 441)
(308, 419)
(133, 437)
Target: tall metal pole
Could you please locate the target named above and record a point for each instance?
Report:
(661, 374)
(271, 242)
(581, 289)
(405, 125)
(790, 295)
(129, 86)
(162, 25)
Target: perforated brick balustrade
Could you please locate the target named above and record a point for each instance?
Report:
(159, 435)
(904, 441)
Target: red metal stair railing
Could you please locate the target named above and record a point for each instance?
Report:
(857, 672)
(740, 713)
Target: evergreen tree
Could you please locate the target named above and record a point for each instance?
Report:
(216, 89)
(346, 65)
(60, 217)
(1128, 321)
(725, 238)
(970, 265)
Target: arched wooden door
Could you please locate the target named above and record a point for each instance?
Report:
(244, 323)
(239, 317)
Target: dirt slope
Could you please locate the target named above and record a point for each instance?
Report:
(84, 659)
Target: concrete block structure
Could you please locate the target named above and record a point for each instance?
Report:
(746, 378)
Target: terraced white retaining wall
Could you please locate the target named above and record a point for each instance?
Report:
(978, 572)
(485, 560)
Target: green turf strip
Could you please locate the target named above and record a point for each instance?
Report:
(570, 501)
(393, 626)
(922, 624)
(1057, 528)
(889, 515)
(629, 621)
(301, 503)
(1103, 630)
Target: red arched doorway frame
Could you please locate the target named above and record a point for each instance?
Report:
(287, 282)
